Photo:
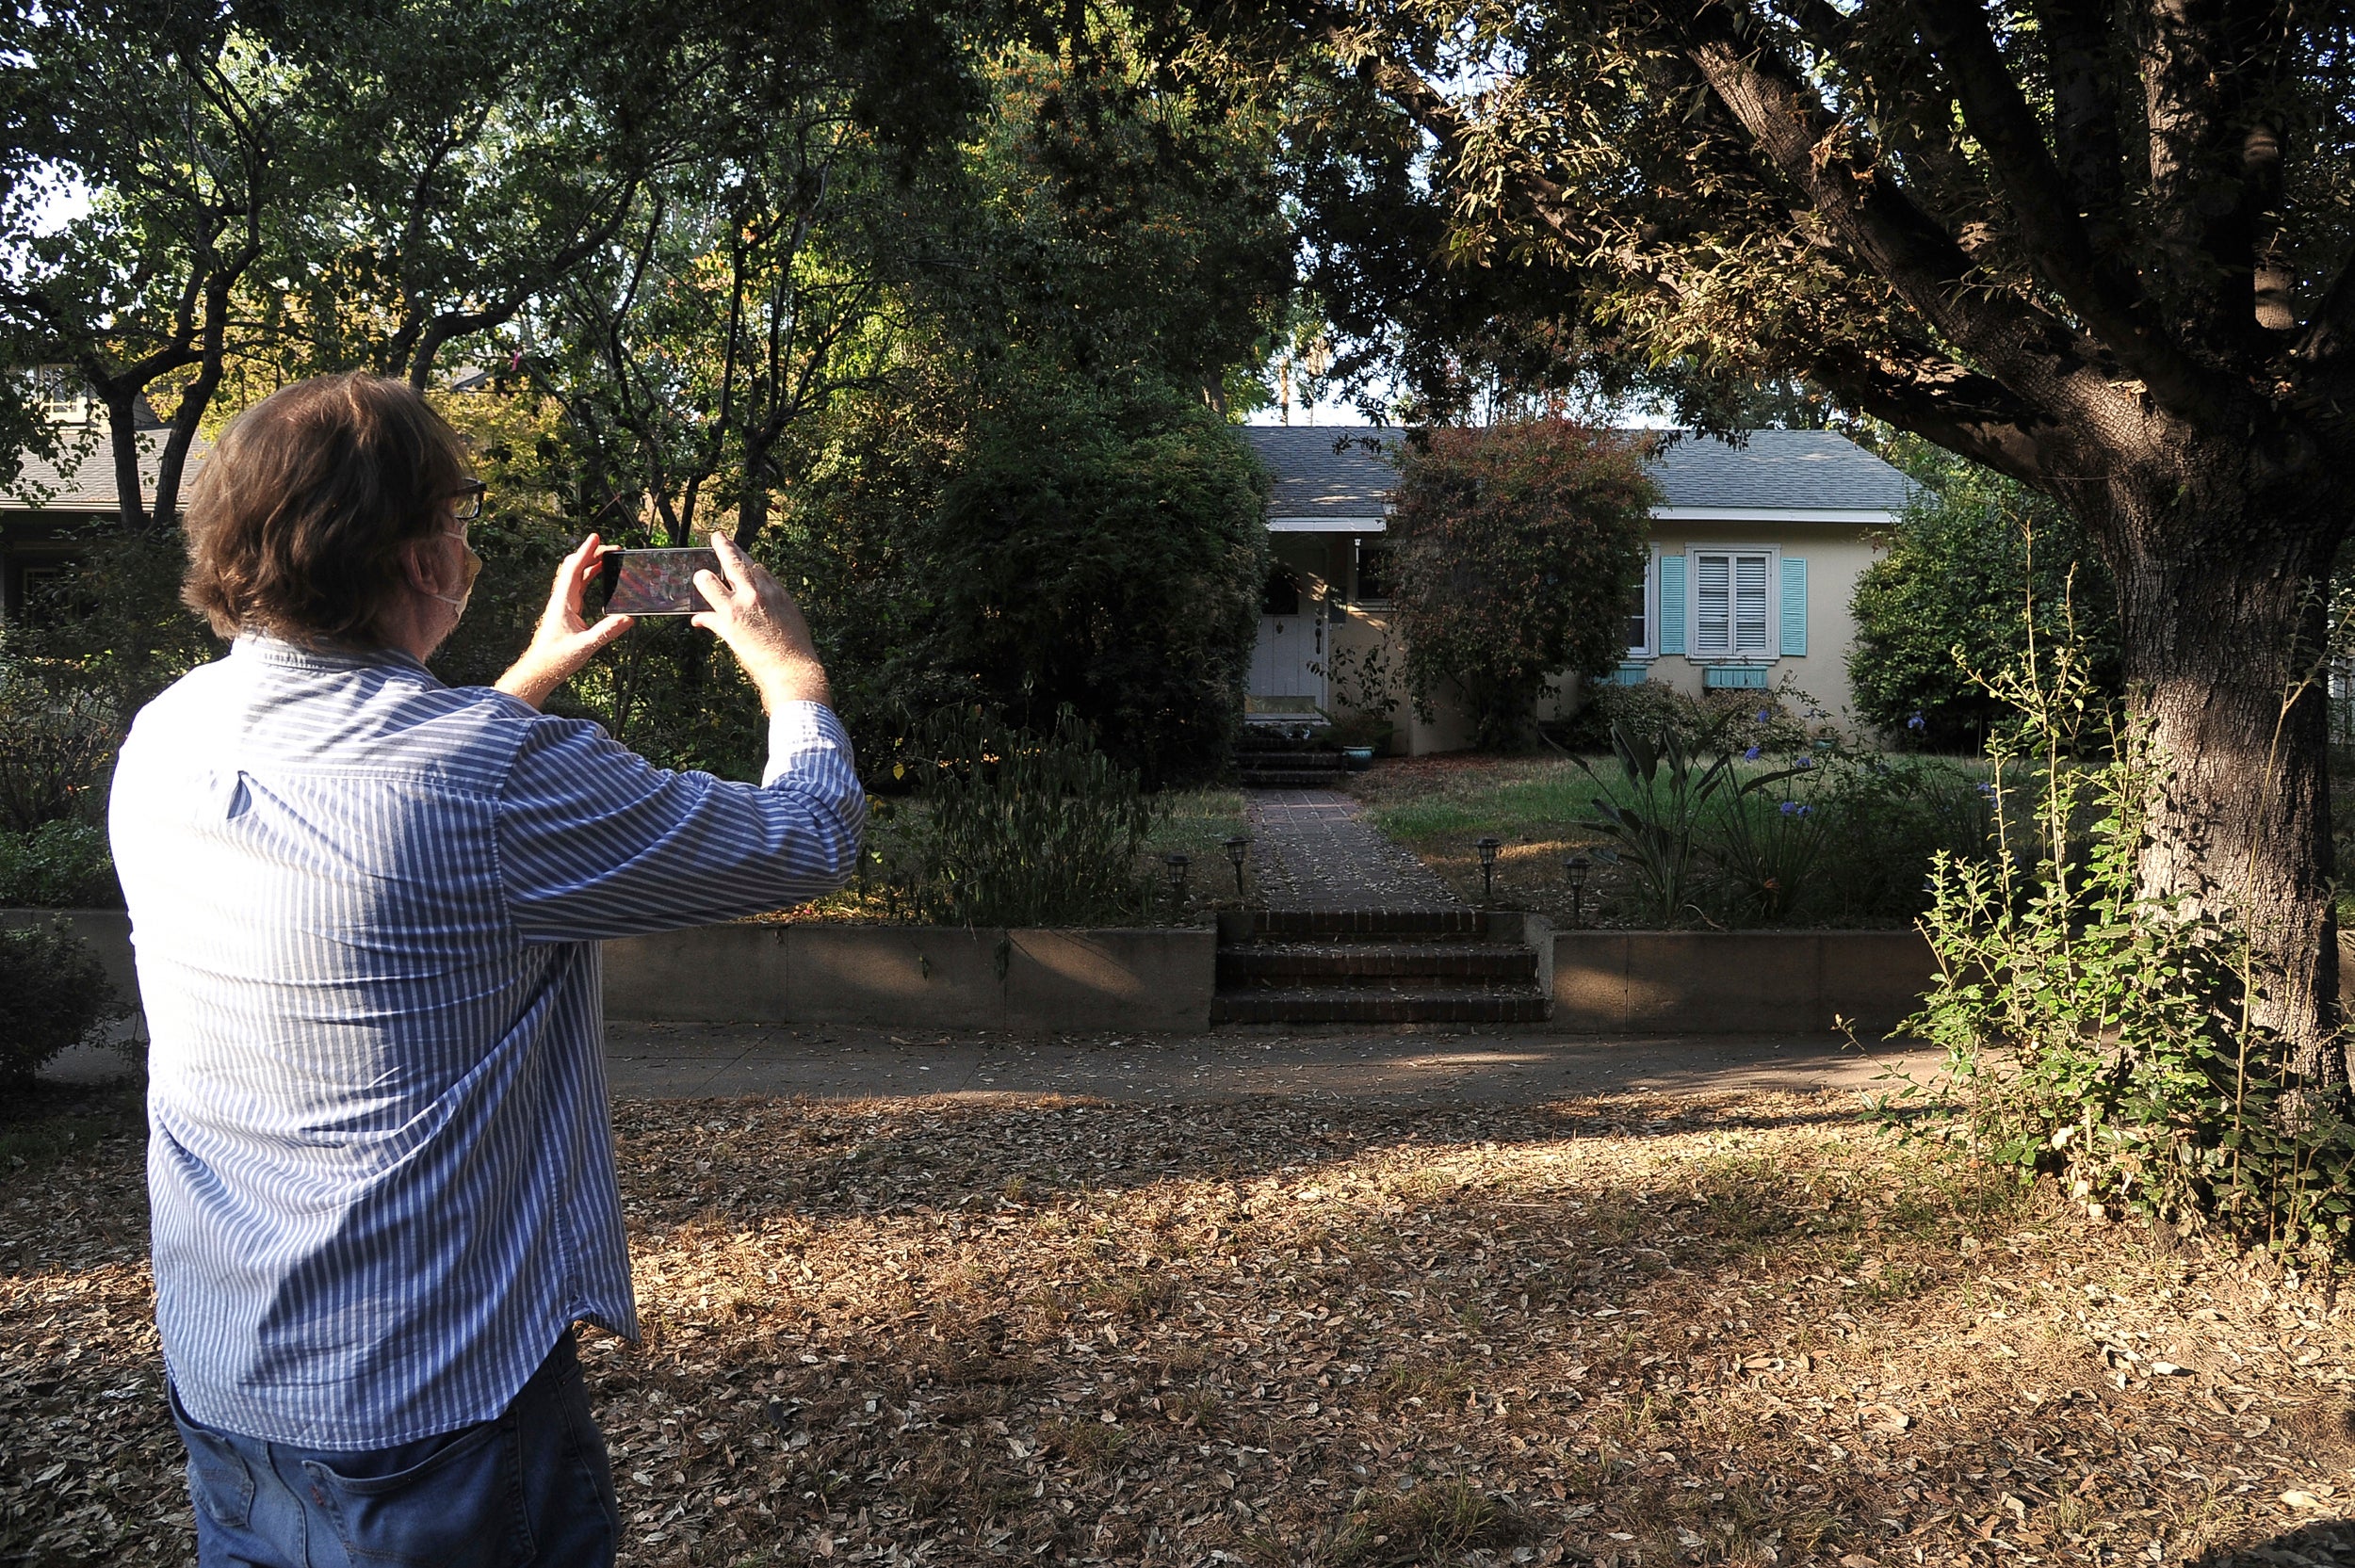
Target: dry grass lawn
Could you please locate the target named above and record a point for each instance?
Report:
(1635, 1329)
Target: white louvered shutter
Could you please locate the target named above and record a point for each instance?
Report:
(1713, 605)
(1749, 603)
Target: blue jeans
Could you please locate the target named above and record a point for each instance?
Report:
(532, 1487)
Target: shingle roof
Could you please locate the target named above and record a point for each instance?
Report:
(1780, 471)
(1773, 471)
(83, 477)
(1314, 480)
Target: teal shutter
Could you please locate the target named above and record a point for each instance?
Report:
(1672, 603)
(1794, 606)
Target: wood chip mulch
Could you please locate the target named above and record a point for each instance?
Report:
(1632, 1330)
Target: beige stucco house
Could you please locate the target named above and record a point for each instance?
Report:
(1755, 553)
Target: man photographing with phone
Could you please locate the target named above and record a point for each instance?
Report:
(367, 909)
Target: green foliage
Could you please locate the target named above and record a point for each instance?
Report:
(59, 865)
(1024, 541)
(1775, 721)
(1656, 821)
(1023, 829)
(1109, 557)
(1973, 552)
(1515, 545)
(1779, 835)
(60, 745)
(1114, 223)
(54, 993)
(111, 633)
(2102, 1036)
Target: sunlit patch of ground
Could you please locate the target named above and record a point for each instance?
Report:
(1635, 1329)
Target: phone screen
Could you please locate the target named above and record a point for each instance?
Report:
(655, 582)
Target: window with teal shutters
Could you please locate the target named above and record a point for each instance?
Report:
(1794, 606)
(1672, 603)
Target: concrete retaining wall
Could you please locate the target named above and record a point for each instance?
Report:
(1750, 983)
(916, 977)
(906, 976)
(1161, 979)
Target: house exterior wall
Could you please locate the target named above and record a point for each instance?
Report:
(1835, 555)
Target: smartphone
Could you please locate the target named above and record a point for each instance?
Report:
(655, 582)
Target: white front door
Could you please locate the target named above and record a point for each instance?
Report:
(1288, 665)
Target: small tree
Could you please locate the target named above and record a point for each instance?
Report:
(1951, 596)
(1516, 545)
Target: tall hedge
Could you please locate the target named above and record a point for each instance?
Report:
(1952, 595)
(1027, 539)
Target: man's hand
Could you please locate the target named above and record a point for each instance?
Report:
(564, 641)
(754, 616)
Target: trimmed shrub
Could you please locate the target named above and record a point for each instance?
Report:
(54, 993)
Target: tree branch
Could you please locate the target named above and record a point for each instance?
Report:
(2055, 238)
(2032, 351)
(2078, 50)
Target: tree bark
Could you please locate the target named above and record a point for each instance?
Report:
(2221, 582)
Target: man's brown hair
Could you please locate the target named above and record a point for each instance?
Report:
(298, 518)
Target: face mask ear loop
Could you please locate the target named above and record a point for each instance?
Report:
(474, 571)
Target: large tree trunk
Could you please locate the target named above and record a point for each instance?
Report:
(2221, 586)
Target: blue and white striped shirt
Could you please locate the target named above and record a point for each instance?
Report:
(365, 907)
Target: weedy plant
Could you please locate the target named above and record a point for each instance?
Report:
(1669, 800)
(1024, 829)
(2101, 1036)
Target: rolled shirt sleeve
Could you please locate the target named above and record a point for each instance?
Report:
(595, 842)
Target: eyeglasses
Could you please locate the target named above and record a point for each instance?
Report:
(467, 504)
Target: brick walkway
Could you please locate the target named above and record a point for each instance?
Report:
(1309, 851)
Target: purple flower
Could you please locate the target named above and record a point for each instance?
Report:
(1761, 715)
(1795, 808)
(1750, 755)
(1803, 762)
(1915, 722)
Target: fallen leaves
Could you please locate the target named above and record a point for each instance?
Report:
(1634, 1330)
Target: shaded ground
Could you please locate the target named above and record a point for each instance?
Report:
(1438, 1064)
(1624, 1329)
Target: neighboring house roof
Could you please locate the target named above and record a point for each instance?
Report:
(82, 476)
(1788, 476)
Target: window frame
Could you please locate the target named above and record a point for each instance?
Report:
(1644, 650)
(61, 394)
(1359, 544)
(1772, 650)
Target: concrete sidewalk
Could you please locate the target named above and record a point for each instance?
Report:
(1401, 1066)
(685, 1060)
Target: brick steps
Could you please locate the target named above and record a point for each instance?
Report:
(1277, 762)
(1373, 923)
(1253, 778)
(1351, 1004)
(1396, 964)
(1375, 966)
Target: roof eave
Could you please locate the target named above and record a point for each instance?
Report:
(1854, 516)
